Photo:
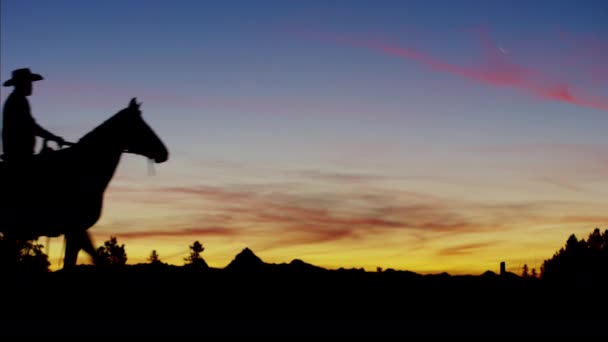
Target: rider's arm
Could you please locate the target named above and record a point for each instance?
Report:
(43, 133)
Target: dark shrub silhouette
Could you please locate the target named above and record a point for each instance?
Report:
(194, 259)
(154, 259)
(112, 254)
(23, 255)
(33, 259)
(524, 272)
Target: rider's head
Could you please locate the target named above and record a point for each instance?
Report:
(24, 88)
(22, 81)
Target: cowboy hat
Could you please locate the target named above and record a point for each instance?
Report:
(21, 75)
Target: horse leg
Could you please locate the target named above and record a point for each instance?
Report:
(75, 241)
(72, 247)
(87, 245)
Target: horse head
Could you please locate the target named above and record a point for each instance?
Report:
(139, 138)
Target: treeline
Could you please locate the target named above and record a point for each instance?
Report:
(29, 256)
(583, 261)
(579, 262)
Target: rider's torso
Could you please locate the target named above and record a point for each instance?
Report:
(18, 131)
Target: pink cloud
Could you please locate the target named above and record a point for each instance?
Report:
(496, 71)
(307, 217)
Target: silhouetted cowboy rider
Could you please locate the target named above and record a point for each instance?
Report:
(19, 129)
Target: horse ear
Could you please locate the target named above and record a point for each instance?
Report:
(133, 103)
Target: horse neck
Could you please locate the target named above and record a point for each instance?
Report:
(99, 164)
(100, 150)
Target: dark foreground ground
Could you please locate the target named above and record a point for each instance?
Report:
(147, 302)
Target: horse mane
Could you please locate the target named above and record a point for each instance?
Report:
(102, 128)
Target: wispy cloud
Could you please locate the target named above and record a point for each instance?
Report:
(213, 193)
(564, 165)
(290, 218)
(496, 70)
(179, 232)
(341, 177)
(468, 248)
(564, 183)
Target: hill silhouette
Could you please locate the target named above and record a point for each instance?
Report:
(248, 261)
(297, 265)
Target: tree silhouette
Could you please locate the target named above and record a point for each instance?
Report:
(533, 274)
(525, 273)
(195, 259)
(33, 258)
(580, 262)
(23, 255)
(154, 258)
(597, 241)
(111, 254)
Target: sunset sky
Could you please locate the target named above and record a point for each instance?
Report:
(428, 136)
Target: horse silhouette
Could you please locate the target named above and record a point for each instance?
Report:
(62, 192)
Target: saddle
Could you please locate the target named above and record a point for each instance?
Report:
(18, 182)
(44, 152)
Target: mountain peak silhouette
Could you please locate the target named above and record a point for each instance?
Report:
(246, 260)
